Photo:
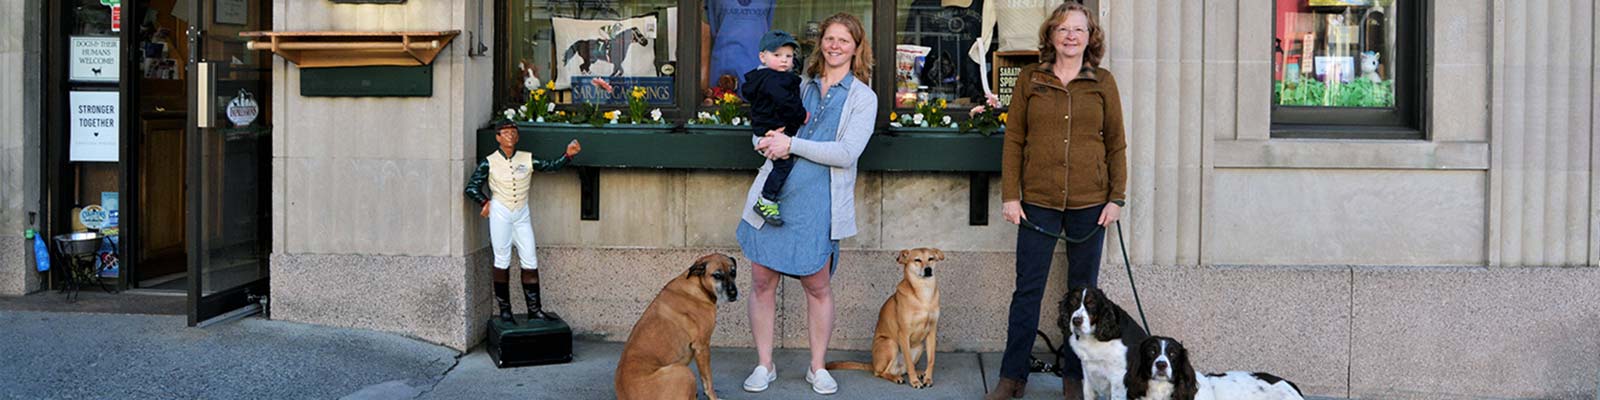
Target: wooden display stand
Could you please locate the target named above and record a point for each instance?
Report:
(352, 49)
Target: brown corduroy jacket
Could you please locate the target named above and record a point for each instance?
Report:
(1064, 144)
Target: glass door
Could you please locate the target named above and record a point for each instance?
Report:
(229, 158)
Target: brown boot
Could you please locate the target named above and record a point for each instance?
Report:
(1071, 389)
(1007, 389)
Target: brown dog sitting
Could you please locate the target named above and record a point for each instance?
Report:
(908, 323)
(675, 328)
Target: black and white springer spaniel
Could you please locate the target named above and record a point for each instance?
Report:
(1103, 336)
(1164, 373)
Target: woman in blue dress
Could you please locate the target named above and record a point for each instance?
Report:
(818, 200)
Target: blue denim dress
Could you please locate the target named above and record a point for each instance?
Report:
(802, 245)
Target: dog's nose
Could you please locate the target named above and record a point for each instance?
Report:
(1161, 365)
(1077, 320)
(927, 272)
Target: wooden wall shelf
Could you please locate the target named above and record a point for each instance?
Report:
(352, 49)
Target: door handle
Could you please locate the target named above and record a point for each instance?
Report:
(205, 93)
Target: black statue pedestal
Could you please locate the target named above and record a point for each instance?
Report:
(525, 342)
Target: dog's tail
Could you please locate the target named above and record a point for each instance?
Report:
(855, 365)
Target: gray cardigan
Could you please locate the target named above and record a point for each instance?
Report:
(840, 156)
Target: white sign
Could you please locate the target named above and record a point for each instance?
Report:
(93, 121)
(94, 58)
(242, 110)
(233, 12)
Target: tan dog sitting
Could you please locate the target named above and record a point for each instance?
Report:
(908, 323)
(675, 328)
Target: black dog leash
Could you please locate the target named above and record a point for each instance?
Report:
(1035, 365)
(1126, 264)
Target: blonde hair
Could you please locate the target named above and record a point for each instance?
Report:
(1092, 54)
(861, 62)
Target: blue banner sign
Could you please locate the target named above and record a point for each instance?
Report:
(657, 90)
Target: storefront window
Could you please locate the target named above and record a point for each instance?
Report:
(1350, 55)
(559, 46)
(733, 29)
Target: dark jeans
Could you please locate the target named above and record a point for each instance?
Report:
(1034, 253)
(776, 178)
(780, 175)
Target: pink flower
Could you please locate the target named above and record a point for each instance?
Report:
(993, 100)
(601, 83)
(975, 111)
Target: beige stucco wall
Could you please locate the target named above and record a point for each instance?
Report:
(368, 230)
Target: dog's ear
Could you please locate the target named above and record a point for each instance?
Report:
(698, 269)
(1185, 385)
(1107, 326)
(938, 254)
(903, 257)
(1137, 378)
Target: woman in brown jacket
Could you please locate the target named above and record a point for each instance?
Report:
(1064, 169)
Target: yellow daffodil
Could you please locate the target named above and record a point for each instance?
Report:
(729, 98)
(561, 113)
(550, 85)
(894, 117)
(539, 93)
(638, 94)
(1002, 118)
(611, 115)
(941, 103)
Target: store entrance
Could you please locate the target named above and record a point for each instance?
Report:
(159, 143)
(159, 247)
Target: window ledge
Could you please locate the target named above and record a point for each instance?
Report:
(1351, 154)
(700, 147)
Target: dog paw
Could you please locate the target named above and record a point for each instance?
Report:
(899, 380)
(927, 381)
(918, 385)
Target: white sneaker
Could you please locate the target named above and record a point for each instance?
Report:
(821, 382)
(759, 379)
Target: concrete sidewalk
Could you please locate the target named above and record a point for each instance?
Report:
(59, 355)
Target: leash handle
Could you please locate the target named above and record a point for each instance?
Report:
(1079, 240)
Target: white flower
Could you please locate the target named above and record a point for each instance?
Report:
(945, 121)
(531, 82)
(704, 115)
(736, 121)
(540, 119)
(923, 124)
(522, 109)
(550, 107)
(895, 124)
(917, 118)
(510, 114)
(655, 114)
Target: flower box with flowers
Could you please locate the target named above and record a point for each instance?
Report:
(540, 111)
(727, 113)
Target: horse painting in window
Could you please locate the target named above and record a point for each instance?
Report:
(613, 50)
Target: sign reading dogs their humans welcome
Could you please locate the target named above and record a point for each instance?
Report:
(93, 122)
(94, 59)
(657, 90)
(369, 1)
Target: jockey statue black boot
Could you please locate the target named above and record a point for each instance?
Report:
(530, 293)
(502, 293)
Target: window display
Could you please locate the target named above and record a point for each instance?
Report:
(1334, 53)
(733, 29)
(561, 45)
